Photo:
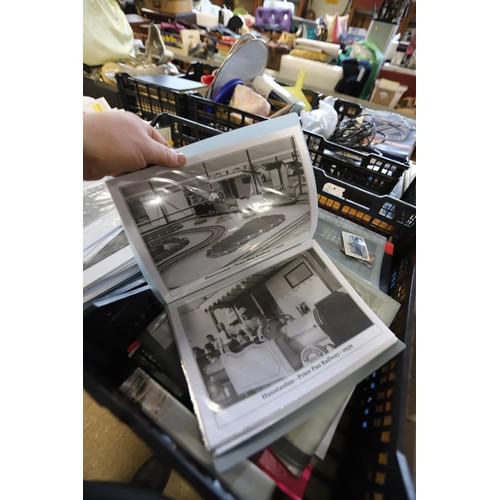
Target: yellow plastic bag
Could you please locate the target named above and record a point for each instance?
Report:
(107, 35)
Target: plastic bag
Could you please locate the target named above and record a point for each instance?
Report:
(322, 120)
(107, 34)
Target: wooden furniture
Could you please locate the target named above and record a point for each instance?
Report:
(361, 14)
(409, 21)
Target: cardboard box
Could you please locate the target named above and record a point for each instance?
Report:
(387, 92)
(181, 43)
(169, 6)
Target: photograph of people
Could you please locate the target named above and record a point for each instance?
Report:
(268, 326)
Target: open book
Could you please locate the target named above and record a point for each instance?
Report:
(264, 322)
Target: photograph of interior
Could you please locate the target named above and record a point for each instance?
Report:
(266, 327)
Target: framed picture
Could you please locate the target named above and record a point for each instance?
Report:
(297, 275)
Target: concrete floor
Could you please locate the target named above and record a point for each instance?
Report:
(112, 451)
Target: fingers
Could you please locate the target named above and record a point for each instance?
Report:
(181, 159)
(162, 153)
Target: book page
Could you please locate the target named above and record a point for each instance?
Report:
(241, 196)
(257, 348)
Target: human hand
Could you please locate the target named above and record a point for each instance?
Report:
(118, 142)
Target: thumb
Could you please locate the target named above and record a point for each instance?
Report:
(163, 154)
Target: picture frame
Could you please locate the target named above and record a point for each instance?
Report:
(298, 275)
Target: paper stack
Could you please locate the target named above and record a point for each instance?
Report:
(108, 260)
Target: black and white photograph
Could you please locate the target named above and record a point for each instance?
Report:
(267, 326)
(97, 201)
(105, 237)
(106, 250)
(223, 212)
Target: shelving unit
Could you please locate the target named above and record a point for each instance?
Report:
(361, 14)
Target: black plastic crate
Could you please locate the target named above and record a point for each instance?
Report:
(216, 115)
(146, 99)
(401, 136)
(384, 214)
(107, 330)
(388, 216)
(369, 171)
(372, 453)
(181, 130)
(224, 117)
(373, 172)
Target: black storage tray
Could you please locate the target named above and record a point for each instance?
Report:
(370, 171)
(183, 131)
(391, 217)
(348, 110)
(369, 457)
(147, 99)
(107, 330)
(372, 453)
(223, 117)
(219, 116)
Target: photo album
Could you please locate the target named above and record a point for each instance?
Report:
(264, 322)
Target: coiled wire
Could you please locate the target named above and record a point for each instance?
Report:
(358, 132)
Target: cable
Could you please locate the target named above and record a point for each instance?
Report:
(358, 132)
